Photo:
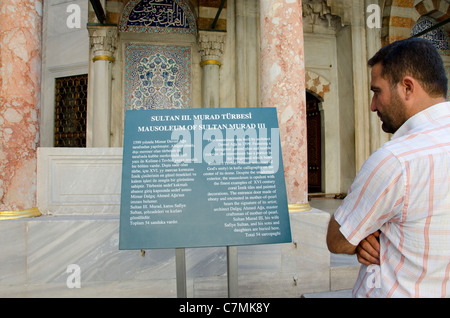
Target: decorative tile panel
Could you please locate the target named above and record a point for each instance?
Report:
(439, 37)
(172, 16)
(157, 76)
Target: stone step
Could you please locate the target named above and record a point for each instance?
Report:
(345, 293)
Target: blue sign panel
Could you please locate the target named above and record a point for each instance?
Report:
(202, 178)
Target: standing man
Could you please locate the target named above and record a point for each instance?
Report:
(396, 217)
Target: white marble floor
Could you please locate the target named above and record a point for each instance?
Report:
(346, 293)
(325, 204)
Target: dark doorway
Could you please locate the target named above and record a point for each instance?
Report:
(314, 132)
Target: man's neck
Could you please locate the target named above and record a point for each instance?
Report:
(425, 103)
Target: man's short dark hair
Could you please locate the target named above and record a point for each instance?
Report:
(414, 57)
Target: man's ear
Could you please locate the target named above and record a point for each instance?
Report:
(408, 87)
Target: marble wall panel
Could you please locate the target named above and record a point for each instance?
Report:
(13, 256)
(35, 255)
(79, 181)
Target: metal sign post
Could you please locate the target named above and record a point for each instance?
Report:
(232, 267)
(232, 272)
(180, 264)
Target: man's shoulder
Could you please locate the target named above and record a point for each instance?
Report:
(384, 158)
(420, 142)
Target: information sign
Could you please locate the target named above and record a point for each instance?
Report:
(202, 177)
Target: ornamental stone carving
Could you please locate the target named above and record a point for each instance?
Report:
(327, 11)
(211, 45)
(103, 41)
(316, 9)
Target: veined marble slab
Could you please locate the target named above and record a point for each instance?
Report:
(35, 255)
(79, 196)
(79, 181)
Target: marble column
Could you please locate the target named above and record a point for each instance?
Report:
(247, 53)
(283, 87)
(20, 73)
(211, 46)
(361, 85)
(103, 41)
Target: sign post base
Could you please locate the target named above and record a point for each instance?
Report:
(180, 263)
(232, 268)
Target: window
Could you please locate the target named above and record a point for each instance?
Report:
(70, 111)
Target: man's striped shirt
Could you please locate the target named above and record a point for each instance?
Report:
(403, 189)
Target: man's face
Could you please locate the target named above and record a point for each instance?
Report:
(386, 101)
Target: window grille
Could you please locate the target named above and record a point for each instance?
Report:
(71, 111)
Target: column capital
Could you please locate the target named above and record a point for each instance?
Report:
(103, 42)
(211, 46)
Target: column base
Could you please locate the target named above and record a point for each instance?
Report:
(21, 214)
(296, 208)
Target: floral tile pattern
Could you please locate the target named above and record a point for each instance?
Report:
(438, 36)
(157, 76)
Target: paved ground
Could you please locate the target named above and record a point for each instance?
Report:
(325, 204)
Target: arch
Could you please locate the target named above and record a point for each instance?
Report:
(158, 16)
(438, 10)
(317, 85)
(397, 21)
(430, 13)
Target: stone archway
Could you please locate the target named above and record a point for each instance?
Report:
(399, 21)
(317, 84)
(438, 10)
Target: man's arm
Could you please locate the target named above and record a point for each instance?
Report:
(336, 242)
(368, 250)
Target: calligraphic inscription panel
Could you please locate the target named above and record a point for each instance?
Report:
(157, 76)
(158, 16)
